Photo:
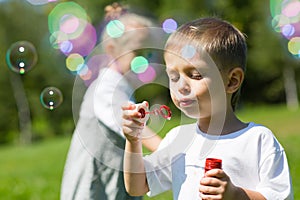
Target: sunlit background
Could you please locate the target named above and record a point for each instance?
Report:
(49, 55)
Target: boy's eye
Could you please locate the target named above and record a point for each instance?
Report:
(195, 75)
(173, 77)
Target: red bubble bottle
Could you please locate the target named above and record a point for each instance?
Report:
(212, 163)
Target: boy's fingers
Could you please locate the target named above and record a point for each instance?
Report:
(217, 173)
(133, 123)
(130, 114)
(128, 106)
(209, 181)
(205, 190)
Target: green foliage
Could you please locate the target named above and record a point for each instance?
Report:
(19, 20)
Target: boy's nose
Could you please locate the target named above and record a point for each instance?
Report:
(183, 86)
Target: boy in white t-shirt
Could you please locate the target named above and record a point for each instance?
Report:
(205, 62)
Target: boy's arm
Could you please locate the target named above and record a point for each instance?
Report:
(250, 194)
(134, 170)
(150, 139)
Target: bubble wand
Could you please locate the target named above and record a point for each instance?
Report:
(163, 111)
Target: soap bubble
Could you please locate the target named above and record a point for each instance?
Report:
(115, 28)
(169, 25)
(74, 62)
(139, 64)
(148, 75)
(188, 51)
(21, 57)
(294, 45)
(51, 98)
(69, 18)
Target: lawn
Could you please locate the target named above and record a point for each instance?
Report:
(34, 172)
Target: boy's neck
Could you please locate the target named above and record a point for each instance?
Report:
(231, 124)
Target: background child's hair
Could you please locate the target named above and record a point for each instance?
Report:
(225, 44)
(129, 19)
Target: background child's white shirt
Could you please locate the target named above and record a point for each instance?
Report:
(105, 97)
(252, 158)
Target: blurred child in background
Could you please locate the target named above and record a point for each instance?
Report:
(94, 165)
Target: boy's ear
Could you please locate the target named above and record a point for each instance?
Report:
(235, 79)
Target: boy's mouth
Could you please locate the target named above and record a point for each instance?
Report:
(186, 102)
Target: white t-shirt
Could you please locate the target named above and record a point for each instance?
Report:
(251, 157)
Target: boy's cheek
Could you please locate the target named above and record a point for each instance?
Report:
(174, 99)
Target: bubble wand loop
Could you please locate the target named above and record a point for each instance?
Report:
(163, 111)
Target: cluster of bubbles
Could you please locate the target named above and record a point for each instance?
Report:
(141, 63)
(73, 34)
(76, 38)
(21, 57)
(286, 20)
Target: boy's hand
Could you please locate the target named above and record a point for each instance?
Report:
(216, 185)
(132, 126)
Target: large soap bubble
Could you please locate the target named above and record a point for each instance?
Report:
(21, 57)
(51, 98)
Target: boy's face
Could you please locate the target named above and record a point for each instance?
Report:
(196, 85)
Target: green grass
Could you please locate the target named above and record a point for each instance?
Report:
(34, 172)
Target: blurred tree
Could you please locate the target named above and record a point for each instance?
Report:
(19, 20)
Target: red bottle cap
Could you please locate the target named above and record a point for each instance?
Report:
(212, 163)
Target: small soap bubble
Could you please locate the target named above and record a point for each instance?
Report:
(169, 25)
(294, 45)
(288, 30)
(139, 64)
(188, 51)
(57, 38)
(21, 57)
(51, 98)
(279, 21)
(275, 7)
(66, 47)
(69, 18)
(291, 9)
(147, 76)
(115, 28)
(69, 24)
(74, 62)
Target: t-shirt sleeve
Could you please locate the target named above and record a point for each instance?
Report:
(275, 182)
